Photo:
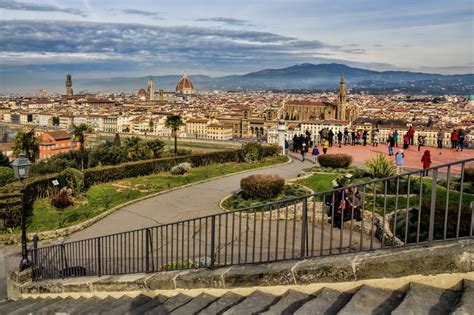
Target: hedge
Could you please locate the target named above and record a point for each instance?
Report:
(335, 160)
(262, 186)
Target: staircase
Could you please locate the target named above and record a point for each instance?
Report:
(413, 298)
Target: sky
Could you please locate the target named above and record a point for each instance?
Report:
(41, 40)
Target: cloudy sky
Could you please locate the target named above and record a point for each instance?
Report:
(106, 38)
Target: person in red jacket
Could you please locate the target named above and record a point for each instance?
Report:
(454, 139)
(426, 159)
(411, 133)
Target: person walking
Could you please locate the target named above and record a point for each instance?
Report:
(411, 133)
(395, 137)
(390, 145)
(353, 137)
(460, 144)
(325, 145)
(406, 141)
(315, 153)
(295, 143)
(454, 139)
(399, 161)
(339, 138)
(364, 137)
(346, 135)
(421, 142)
(439, 138)
(375, 138)
(426, 160)
(331, 137)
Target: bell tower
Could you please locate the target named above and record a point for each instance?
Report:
(342, 100)
(68, 85)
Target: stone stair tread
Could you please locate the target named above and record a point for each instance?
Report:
(128, 305)
(172, 303)
(42, 304)
(466, 302)
(59, 306)
(424, 299)
(223, 303)
(370, 300)
(155, 303)
(327, 301)
(254, 303)
(289, 303)
(11, 305)
(91, 305)
(195, 305)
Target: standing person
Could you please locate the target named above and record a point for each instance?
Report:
(339, 138)
(390, 145)
(295, 143)
(346, 135)
(325, 145)
(303, 152)
(320, 136)
(395, 137)
(331, 137)
(439, 138)
(375, 138)
(461, 136)
(454, 139)
(353, 137)
(358, 137)
(315, 153)
(399, 161)
(426, 159)
(406, 141)
(411, 133)
(364, 137)
(421, 142)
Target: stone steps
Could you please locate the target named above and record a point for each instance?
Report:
(413, 298)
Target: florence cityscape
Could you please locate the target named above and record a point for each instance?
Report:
(250, 157)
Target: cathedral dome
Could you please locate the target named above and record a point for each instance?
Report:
(142, 92)
(184, 85)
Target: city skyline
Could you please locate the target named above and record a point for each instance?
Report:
(100, 39)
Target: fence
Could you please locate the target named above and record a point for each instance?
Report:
(397, 211)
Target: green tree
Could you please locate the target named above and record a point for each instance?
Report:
(117, 141)
(154, 148)
(80, 136)
(4, 160)
(27, 143)
(6, 175)
(174, 122)
(132, 145)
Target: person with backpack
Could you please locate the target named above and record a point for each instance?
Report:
(315, 153)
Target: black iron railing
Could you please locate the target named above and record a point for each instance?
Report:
(395, 211)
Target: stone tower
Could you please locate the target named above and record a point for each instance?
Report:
(342, 100)
(68, 85)
(151, 90)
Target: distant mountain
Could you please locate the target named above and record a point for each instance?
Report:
(303, 77)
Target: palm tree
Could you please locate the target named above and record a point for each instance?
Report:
(79, 133)
(174, 122)
(27, 143)
(154, 148)
(133, 147)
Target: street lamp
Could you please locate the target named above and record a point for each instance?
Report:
(21, 168)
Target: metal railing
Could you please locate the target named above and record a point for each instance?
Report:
(403, 210)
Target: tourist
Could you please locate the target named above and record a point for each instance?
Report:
(406, 141)
(390, 145)
(395, 137)
(399, 161)
(331, 137)
(295, 143)
(358, 137)
(364, 137)
(325, 145)
(346, 136)
(315, 153)
(287, 146)
(375, 137)
(439, 138)
(421, 142)
(460, 143)
(411, 133)
(454, 139)
(339, 138)
(426, 160)
(303, 152)
(353, 137)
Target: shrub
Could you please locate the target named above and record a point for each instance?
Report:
(380, 167)
(252, 152)
(335, 160)
(469, 174)
(6, 175)
(181, 169)
(71, 178)
(262, 186)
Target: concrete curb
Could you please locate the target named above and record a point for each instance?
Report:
(44, 235)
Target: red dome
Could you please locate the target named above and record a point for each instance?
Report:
(141, 92)
(184, 84)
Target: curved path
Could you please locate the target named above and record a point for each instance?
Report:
(189, 202)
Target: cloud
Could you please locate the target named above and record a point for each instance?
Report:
(142, 13)
(225, 20)
(25, 6)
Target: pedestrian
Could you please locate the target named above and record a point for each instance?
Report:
(411, 133)
(399, 161)
(375, 137)
(406, 141)
(439, 138)
(353, 137)
(395, 137)
(315, 153)
(287, 146)
(426, 160)
(295, 143)
(325, 145)
(454, 139)
(364, 137)
(303, 152)
(339, 138)
(460, 144)
(358, 137)
(421, 142)
(346, 135)
(390, 145)
(331, 137)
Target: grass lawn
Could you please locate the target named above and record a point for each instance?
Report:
(101, 197)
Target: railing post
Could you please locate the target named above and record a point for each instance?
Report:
(434, 185)
(304, 218)
(213, 239)
(472, 219)
(34, 257)
(149, 251)
(99, 267)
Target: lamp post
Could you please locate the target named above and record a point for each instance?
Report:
(21, 168)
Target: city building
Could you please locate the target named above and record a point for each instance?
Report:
(55, 142)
